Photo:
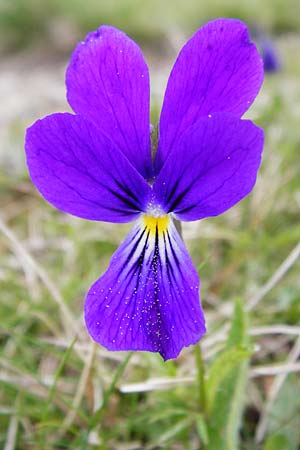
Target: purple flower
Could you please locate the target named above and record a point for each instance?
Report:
(97, 165)
(270, 56)
(268, 50)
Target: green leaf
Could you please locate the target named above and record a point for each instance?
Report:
(170, 413)
(220, 369)
(227, 398)
(202, 429)
(276, 442)
(173, 431)
(238, 334)
(284, 418)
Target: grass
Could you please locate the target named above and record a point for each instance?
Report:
(59, 390)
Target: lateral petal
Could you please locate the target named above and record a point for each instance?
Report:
(213, 166)
(218, 70)
(82, 172)
(149, 297)
(108, 82)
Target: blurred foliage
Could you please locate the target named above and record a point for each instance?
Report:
(284, 422)
(24, 22)
(225, 419)
(52, 386)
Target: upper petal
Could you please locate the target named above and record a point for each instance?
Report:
(108, 82)
(149, 297)
(218, 70)
(81, 171)
(213, 166)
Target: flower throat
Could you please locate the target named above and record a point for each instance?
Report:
(156, 223)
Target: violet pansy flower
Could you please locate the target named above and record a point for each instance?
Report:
(270, 56)
(97, 164)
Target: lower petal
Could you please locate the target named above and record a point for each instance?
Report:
(149, 297)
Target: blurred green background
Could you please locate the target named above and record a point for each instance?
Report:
(52, 378)
(25, 22)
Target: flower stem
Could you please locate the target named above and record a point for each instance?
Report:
(200, 379)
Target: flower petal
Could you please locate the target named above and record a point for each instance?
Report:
(213, 167)
(218, 70)
(82, 172)
(108, 82)
(148, 299)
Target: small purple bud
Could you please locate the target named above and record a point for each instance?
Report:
(270, 56)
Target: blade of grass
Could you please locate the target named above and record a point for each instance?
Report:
(96, 417)
(46, 410)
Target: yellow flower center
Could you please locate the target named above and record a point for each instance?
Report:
(156, 223)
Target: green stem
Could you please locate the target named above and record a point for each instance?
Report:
(200, 379)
